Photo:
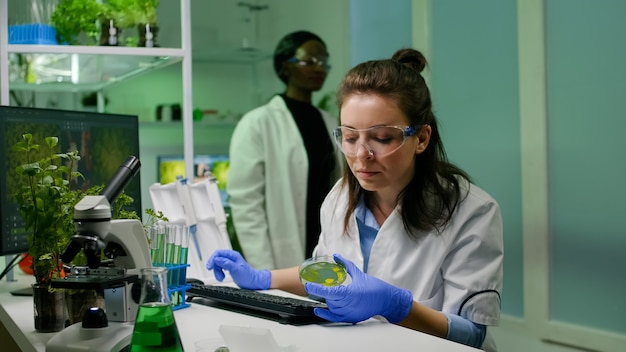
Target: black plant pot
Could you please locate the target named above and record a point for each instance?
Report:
(148, 34)
(50, 310)
(110, 35)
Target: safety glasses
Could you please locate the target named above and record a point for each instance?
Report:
(377, 140)
(310, 62)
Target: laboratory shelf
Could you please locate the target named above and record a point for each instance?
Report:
(76, 72)
(94, 50)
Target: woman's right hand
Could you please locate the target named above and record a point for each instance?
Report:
(242, 273)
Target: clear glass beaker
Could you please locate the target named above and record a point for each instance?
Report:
(155, 327)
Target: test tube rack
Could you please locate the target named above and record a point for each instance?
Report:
(176, 285)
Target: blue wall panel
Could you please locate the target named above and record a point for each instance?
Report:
(379, 28)
(586, 62)
(474, 79)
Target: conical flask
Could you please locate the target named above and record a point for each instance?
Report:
(155, 327)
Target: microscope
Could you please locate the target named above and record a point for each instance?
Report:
(124, 244)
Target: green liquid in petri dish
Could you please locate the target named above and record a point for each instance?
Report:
(325, 273)
(155, 329)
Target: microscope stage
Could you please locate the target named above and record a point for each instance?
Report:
(87, 282)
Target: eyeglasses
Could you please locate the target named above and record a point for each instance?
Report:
(310, 62)
(377, 140)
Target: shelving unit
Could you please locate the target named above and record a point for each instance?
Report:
(111, 65)
(73, 72)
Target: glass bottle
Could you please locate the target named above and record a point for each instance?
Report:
(155, 327)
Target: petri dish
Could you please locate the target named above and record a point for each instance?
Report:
(322, 270)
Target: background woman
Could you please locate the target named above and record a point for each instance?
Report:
(283, 161)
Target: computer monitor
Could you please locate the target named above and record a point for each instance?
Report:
(172, 166)
(104, 142)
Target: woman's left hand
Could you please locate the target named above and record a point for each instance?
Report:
(365, 297)
(242, 273)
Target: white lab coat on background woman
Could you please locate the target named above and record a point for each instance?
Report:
(267, 185)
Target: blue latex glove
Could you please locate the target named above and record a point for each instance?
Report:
(242, 273)
(362, 299)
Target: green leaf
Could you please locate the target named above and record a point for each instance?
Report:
(52, 142)
(31, 169)
(20, 147)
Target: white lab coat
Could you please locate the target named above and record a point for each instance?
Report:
(267, 185)
(458, 271)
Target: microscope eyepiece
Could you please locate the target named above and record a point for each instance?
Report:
(122, 177)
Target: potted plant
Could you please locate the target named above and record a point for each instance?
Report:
(74, 17)
(114, 18)
(143, 11)
(143, 15)
(46, 204)
(131, 16)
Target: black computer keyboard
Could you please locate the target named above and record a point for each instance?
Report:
(283, 309)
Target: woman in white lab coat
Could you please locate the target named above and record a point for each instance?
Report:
(421, 243)
(283, 161)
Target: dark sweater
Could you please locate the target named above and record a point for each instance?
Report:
(319, 149)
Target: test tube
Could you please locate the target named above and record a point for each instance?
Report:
(172, 254)
(157, 244)
(184, 250)
(174, 260)
(172, 251)
(184, 245)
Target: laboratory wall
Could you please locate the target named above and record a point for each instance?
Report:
(586, 82)
(475, 81)
(474, 84)
(378, 29)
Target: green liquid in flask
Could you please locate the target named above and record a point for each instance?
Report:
(155, 329)
(325, 273)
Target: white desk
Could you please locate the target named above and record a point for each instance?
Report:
(199, 322)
